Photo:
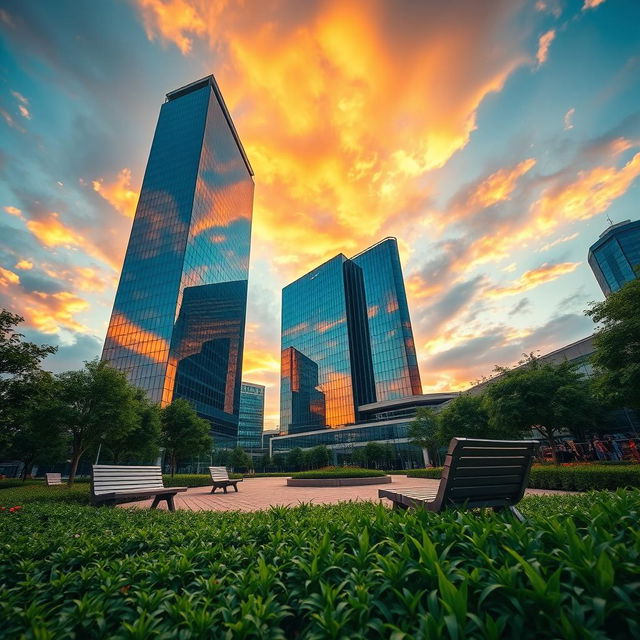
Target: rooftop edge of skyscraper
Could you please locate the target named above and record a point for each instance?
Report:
(211, 81)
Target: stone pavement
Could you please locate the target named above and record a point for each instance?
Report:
(256, 494)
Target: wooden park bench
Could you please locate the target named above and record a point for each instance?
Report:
(111, 484)
(52, 479)
(221, 480)
(477, 473)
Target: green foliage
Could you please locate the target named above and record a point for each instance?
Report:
(183, 433)
(617, 343)
(354, 570)
(572, 477)
(98, 404)
(550, 397)
(423, 431)
(295, 459)
(338, 472)
(464, 417)
(240, 460)
(191, 479)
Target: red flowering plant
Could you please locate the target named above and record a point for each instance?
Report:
(11, 509)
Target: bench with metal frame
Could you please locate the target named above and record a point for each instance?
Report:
(221, 480)
(111, 484)
(53, 479)
(476, 473)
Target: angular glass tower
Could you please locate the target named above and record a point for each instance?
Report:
(395, 364)
(346, 340)
(177, 327)
(251, 421)
(615, 257)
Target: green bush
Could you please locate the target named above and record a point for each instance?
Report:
(354, 570)
(434, 473)
(191, 479)
(338, 472)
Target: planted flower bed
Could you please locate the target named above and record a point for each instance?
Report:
(343, 571)
(338, 477)
(570, 477)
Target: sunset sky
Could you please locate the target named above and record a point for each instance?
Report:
(492, 138)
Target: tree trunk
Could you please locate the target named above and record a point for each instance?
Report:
(26, 469)
(554, 449)
(75, 459)
(173, 464)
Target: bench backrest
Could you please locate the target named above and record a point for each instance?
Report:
(53, 478)
(485, 473)
(218, 474)
(107, 478)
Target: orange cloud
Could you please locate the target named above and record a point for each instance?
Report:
(591, 4)
(591, 193)
(118, 193)
(13, 211)
(330, 102)
(499, 185)
(534, 278)
(51, 312)
(8, 277)
(544, 42)
(562, 240)
(25, 265)
(53, 233)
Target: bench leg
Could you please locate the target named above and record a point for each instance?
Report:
(515, 512)
(398, 506)
(235, 486)
(170, 503)
(213, 489)
(225, 488)
(155, 502)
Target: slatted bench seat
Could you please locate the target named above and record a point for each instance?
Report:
(476, 473)
(52, 479)
(221, 480)
(111, 484)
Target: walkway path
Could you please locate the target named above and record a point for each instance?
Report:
(256, 494)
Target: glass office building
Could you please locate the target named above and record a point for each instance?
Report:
(326, 358)
(347, 340)
(177, 327)
(615, 257)
(251, 422)
(395, 364)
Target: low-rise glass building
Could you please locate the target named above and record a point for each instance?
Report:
(251, 421)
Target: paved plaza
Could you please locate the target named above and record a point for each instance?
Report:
(256, 494)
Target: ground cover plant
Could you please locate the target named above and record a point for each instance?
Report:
(569, 477)
(342, 571)
(338, 472)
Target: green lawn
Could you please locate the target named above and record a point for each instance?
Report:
(348, 571)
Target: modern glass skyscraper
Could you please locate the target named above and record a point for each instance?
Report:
(347, 340)
(251, 421)
(177, 327)
(615, 257)
(395, 364)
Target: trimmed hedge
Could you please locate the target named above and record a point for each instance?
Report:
(338, 472)
(355, 570)
(578, 477)
(191, 479)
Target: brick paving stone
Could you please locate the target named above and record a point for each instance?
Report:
(256, 494)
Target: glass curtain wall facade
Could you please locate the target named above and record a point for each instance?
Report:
(251, 421)
(615, 257)
(324, 330)
(395, 364)
(177, 327)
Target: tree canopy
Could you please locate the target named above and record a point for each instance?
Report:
(617, 342)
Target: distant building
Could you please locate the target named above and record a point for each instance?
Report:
(178, 321)
(251, 422)
(615, 257)
(347, 340)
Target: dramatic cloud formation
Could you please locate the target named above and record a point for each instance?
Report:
(533, 278)
(119, 193)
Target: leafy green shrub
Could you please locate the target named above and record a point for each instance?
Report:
(40, 493)
(338, 472)
(354, 570)
(191, 479)
(575, 477)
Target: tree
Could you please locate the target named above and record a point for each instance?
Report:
(423, 432)
(18, 359)
(183, 433)
(33, 421)
(318, 456)
(140, 444)
(617, 346)
(295, 459)
(546, 396)
(464, 417)
(98, 403)
(240, 460)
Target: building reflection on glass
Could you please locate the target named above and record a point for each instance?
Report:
(251, 424)
(177, 327)
(346, 333)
